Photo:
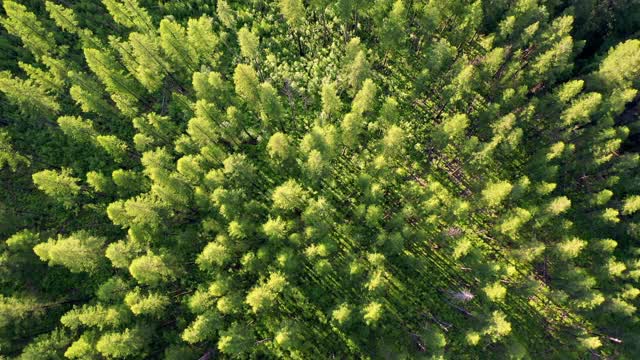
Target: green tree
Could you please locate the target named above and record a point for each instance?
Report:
(129, 13)
(8, 156)
(235, 340)
(150, 269)
(120, 345)
(29, 29)
(249, 43)
(246, 83)
(293, 11)
(60, 185)
(29, 97)
(152, 304)
(78, 252)
(289, 196)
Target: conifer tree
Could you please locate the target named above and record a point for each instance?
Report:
(25, 25)
(59, 185)
(78, 252)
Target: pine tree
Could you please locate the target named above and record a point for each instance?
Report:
(175, 43)
(225, 14)
(331, 103)
(246, 84)
(65, 18)
(8, 156)
(620, 68)
(279, 147)
(249, 43)
(123, 91)
(150, 69)
(129, 13)
(294, 12)
(78, 252)
(289, 196)
(150, 269)
(32, 100)
(29, 29)
(60, 185)
(365, 98)
(77, 128)
(151, 304)
(121, 345)
(203, 40)
(235, 340)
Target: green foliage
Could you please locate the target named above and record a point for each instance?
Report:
(289, 196)
(314, 179)
(60, 185)
(249, 43)
(246, 83)
(120, 345)
(24, 24)
(293, 12)
(496, 193)
(78, 252)
(150, 270)
(8, 156)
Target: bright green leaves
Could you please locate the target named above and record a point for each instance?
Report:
(151, 270)
(32, 99)
(498, 326)
(123, 90)
(357, 67)
(64, 18)
(8, 156)
(263, 296)
(571, 248)
(174, 42)
(495, 291)
(77, 128)
(121, 345)
(271, 110)
(150, 69)
(621, 67)
(372, 313)
(79, 252)
(275, 229)
(203, 328)
(342, 314)
(581, 109)
(289, 196)
(631, 205)
(455, 125)
(151, 304)
(496, 193)
(29, 29)
(331, 103)
(213, 255)
(225, 14)
(394, 142)
(203, 40)
(246, 84)
(559, 205)
(129, 14)
(59, 185)
(279, 147)
(293, 11)
(249, 43)
(365, 98)
(352, 126)
(236, 340)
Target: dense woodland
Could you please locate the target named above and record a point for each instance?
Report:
(388, 179)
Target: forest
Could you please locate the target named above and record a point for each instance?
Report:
(319, 179)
